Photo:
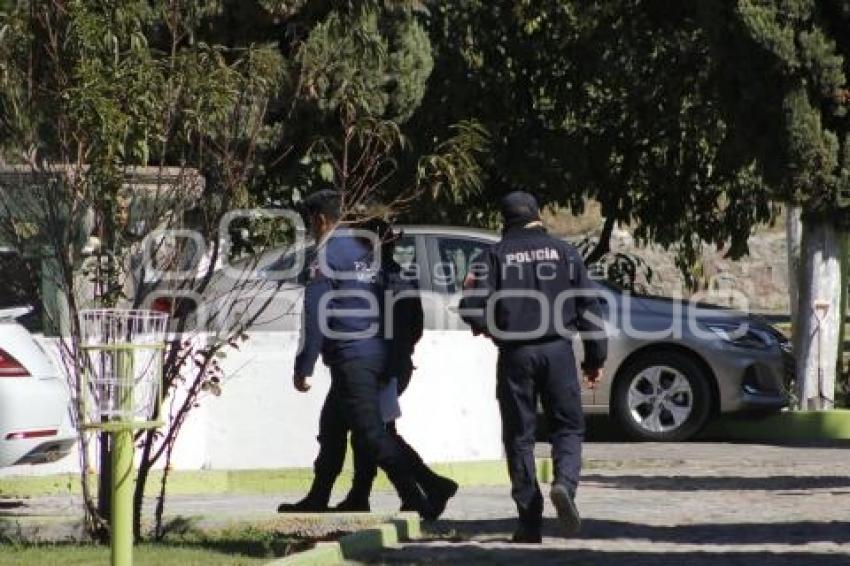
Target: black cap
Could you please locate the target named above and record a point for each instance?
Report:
(383, 231)
(519, 208)
(325, 201)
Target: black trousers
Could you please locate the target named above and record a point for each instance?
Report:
(352, 405)
(548, 370)
(333, 439)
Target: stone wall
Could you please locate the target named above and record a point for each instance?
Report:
(757, 282)
(760, 279)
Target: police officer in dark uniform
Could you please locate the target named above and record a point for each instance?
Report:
(403, 327)
(341, 323)
(530, 293)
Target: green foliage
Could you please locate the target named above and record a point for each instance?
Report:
(784, 68)
(607, 100)
(377, 63)
(344, 62)
(453, 173)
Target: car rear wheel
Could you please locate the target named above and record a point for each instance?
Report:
(662, 396)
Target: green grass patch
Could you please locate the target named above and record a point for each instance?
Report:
(143, 555)
(182, 545)
(787, 426)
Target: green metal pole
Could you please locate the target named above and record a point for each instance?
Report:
(122, 466)
(122, 498)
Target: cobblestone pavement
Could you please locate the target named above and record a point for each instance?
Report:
(659, 504)
(654, 504)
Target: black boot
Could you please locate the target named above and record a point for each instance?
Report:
(527, 534)
(357, 499)
(352, 504)
(438, 492)
(438, 489)
(306, 505)
(564, 501)
(412, 498)
(316, 500)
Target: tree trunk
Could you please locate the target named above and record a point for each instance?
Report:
(104, 481)
(794, 236)
(816, 331)
(843, 387)
(141, 482)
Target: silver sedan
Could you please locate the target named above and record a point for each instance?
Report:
(671, 365)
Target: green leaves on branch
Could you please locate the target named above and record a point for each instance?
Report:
(218, 92)
(787, 76)
(375, 63)
(454, 172)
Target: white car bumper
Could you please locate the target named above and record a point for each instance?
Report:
(35, 424)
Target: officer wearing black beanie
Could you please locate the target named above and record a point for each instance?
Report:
(530, 293)
(519, 209)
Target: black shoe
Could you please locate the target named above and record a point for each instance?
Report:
(306, 505)
(352, 506)
(565, 506)
(527, 535)
(441, 490)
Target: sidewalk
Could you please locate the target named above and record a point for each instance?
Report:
(676, 504)
(655, 504)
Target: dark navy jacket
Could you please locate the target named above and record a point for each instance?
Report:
(530, 269)
(344, 282)
(404, 320)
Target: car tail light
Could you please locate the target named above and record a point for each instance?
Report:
(162, 304)
(10, 367)
(23, 435)
(175, 307)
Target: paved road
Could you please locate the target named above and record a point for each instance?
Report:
(654, 504)
(658, 504)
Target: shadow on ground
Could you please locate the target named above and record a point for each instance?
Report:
(472, 554)
(458, 548)
(603, 428)
(802, 532)
(10, 504)
(718, 483)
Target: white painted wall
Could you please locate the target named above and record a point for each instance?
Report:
(449, 412)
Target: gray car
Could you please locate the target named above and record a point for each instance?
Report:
(671, 364)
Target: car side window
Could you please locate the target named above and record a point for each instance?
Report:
(404, 253)
(19, 286)
(455, 257)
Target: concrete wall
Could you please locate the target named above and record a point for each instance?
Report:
(449, 412)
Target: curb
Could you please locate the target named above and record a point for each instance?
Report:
(406, 527)
(783, 427)
(188, 482)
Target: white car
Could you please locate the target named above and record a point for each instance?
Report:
(35, 424)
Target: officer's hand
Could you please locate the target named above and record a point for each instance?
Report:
(592, 377)
(301, 383)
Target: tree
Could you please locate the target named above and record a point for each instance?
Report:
(611, 101)
(783, 68)
(235, 111)
(88, 92)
